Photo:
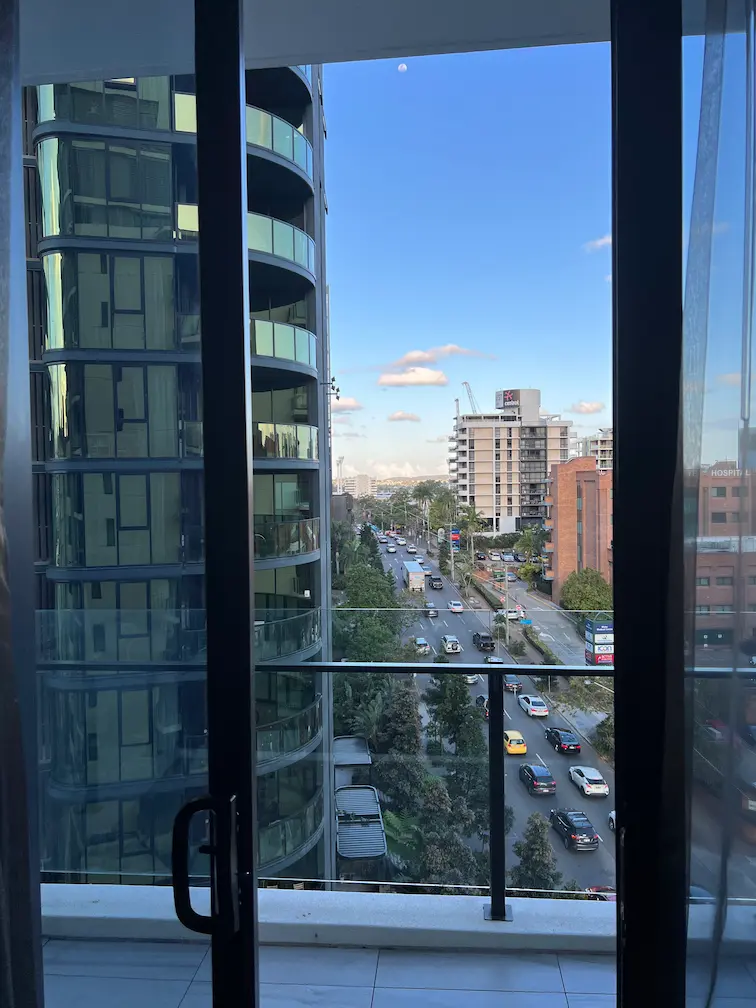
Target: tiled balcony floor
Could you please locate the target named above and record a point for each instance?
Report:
(85, 974)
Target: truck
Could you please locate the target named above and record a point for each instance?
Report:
(414, 576)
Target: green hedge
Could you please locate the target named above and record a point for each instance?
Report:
(485, 593)
(545, 650)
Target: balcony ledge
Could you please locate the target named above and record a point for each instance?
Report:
(369, 920)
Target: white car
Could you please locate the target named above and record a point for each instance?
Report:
(533, 705)
(471, 678)
(613, 820)
(418, 558)
(493, 555)
(410, 549)
(391, 549)
(589, 781)
(450, 644)
(401, 542)
(455, 605)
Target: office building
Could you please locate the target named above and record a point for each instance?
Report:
(116, 352)
(601, 447)
(579, 521)
(360, 485)
(499, 461)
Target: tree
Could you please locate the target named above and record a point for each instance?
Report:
(531, 542)
(442, 510)
(586, 593)
(537, 868)
(444, 857)
(470, 521)
(530, 572)
(444, 557)
(450, 706)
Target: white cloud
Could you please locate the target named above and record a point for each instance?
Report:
(441, 439)
(586, 407)
(346, 420)
(347, 404)
(434, 354)
(598, 243)
(348, 433)
(732, 380)
(402, 415)
(414, 376)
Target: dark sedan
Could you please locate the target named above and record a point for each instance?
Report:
(512, 683)
(575, 829)
(562, 740)
(537, 779)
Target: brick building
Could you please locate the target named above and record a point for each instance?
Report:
(580, 521)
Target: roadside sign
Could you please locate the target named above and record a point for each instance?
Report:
(526, 622)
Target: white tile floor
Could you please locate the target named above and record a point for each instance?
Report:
(85, 974)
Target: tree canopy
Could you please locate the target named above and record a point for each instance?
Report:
(538, 867)
(587, 592)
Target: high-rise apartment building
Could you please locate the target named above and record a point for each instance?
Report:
(500, 461)
(601, 447)
(579, 522)
(361, 485)
(116, 352)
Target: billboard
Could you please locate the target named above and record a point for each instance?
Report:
(507, 398)
(598, 659)
(599, 638)
(599, 626)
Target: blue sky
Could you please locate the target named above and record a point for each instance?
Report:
(469, 210)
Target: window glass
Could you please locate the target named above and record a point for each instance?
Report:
(162, 395)
(154, 102)
(165, 516)
(99, 519)
(93, 300)
(121, 102)
(132, 426)
(185, 113)
(132, 501)
(159, 302)
(99, 412)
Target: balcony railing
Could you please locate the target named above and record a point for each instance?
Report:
(284, 341)
(286, 538)
(285, 441)
(289, 838)
(287, 736)
(264, 234)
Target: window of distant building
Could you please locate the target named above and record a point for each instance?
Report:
(718, 517)
(702, 582)
(719, 492)
(723, 581)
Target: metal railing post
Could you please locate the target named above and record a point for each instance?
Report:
(498, 910)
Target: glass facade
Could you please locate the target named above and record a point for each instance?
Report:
(121, 639)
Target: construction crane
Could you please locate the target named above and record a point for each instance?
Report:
(473, 404)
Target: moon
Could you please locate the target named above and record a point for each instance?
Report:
(402, 68)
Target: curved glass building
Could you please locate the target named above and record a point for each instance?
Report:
(116, 352)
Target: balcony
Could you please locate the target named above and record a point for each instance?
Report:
(289, 737)
(279, 539)
(264, 234)
(548, 547)
(548, 523)
(285, 441)
(284, 342)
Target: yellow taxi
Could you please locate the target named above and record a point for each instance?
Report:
(514, 743)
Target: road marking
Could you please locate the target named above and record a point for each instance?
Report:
(600, 837)
(507, 714)
(445, 623)
(540, 758)
(433, 650)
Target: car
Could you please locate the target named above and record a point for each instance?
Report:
(428, 571)
(533, 705)
(418, 559)
(511, 577)
(435, 581)
(612, 819)
(471, 678)
(480, 556)
(520, 558)
(575, 829)
(494, 555)
(512, 683)
(391, 549)
(562, 740)
(422, 646)
(484, 641)
(454, 605)
(481, 702)
(514, 743)
(513, 614)
(492, 659)
(537, 778)
(401, 542)
(589, 781)
(508, 557)
(382, 539)
(604, 893)
(430, 609)
(410, 549)
(450, 644)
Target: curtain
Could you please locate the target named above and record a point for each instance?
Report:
(719, 457)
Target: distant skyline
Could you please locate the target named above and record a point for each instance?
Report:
(469, 239)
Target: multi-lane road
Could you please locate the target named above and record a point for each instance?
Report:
(588, 868)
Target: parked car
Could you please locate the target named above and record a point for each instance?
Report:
(512, 683)
(481, 702)
(492, 659)
(520, 557)
(537, 779)
(562, 740)
(450, 644)
(479, 555)
(575, 829)
(484, 641)
(589, 781)
(508, 557)
(391, 549)
(612, 818)
(435, 581)
(430, 609)
(454, 605)
(513, 614)
(494, 555)
(514, 743)
(422, 646)
(533, 705)
(511, 577)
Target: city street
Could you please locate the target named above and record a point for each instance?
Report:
(588, 868)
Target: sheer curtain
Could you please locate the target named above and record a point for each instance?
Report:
(719, 453)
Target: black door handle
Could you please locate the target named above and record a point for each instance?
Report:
(224, 893)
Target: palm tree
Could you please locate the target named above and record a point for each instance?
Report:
(470, 520)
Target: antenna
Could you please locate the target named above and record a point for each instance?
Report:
(473, 404)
